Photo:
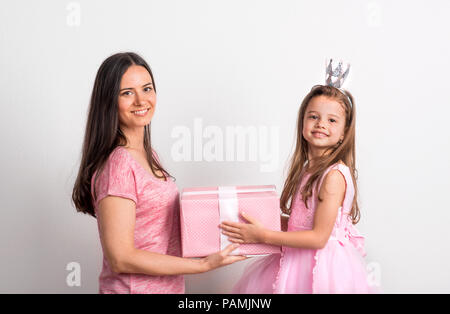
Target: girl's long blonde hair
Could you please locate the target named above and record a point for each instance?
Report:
(344, 151)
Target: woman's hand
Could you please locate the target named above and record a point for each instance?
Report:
(222, 258)
(252, 232)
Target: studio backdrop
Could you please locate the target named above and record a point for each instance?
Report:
(230, 78)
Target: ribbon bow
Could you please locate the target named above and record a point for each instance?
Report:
(355, 238)
(352, 235)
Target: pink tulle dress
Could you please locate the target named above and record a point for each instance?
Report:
(339, 267)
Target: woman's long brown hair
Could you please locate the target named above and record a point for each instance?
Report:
(344, 151)
(103, 133)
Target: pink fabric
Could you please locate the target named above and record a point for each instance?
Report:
(200, 219)
(337, 268)
(157, 222)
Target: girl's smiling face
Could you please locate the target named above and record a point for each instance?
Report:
(137, 98)
(323, 124)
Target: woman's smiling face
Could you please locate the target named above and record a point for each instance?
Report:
(323, 123)
(137, 98)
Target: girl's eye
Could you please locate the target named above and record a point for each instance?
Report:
(148, 89)
(332, 120)
(313, 117)
(127, 93)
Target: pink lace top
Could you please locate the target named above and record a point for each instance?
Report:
(157, 222)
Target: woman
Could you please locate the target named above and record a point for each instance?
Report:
(122, 183)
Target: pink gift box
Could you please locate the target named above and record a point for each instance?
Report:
(204, 208)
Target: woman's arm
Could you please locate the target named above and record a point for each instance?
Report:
(116, 218)
(332, 193)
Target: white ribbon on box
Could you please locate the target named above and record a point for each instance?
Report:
(228, 206)
(228, 210)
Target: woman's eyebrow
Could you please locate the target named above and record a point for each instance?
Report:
(150, 83)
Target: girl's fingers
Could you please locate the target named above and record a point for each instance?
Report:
(230, 229)
(239, 241)
(231, 224)
(249, 218)
(232, 234)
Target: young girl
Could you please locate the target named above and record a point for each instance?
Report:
(322, 252)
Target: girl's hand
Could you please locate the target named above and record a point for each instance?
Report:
(222, 258)
(252, 232)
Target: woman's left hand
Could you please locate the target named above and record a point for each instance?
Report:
(252, 232)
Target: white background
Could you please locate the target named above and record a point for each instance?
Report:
(232, 62)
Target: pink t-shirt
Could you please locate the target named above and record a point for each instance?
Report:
(157, 226)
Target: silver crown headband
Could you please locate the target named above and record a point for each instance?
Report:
(336, 73)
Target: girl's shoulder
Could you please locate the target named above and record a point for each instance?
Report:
(336, 174)
(341, 166)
